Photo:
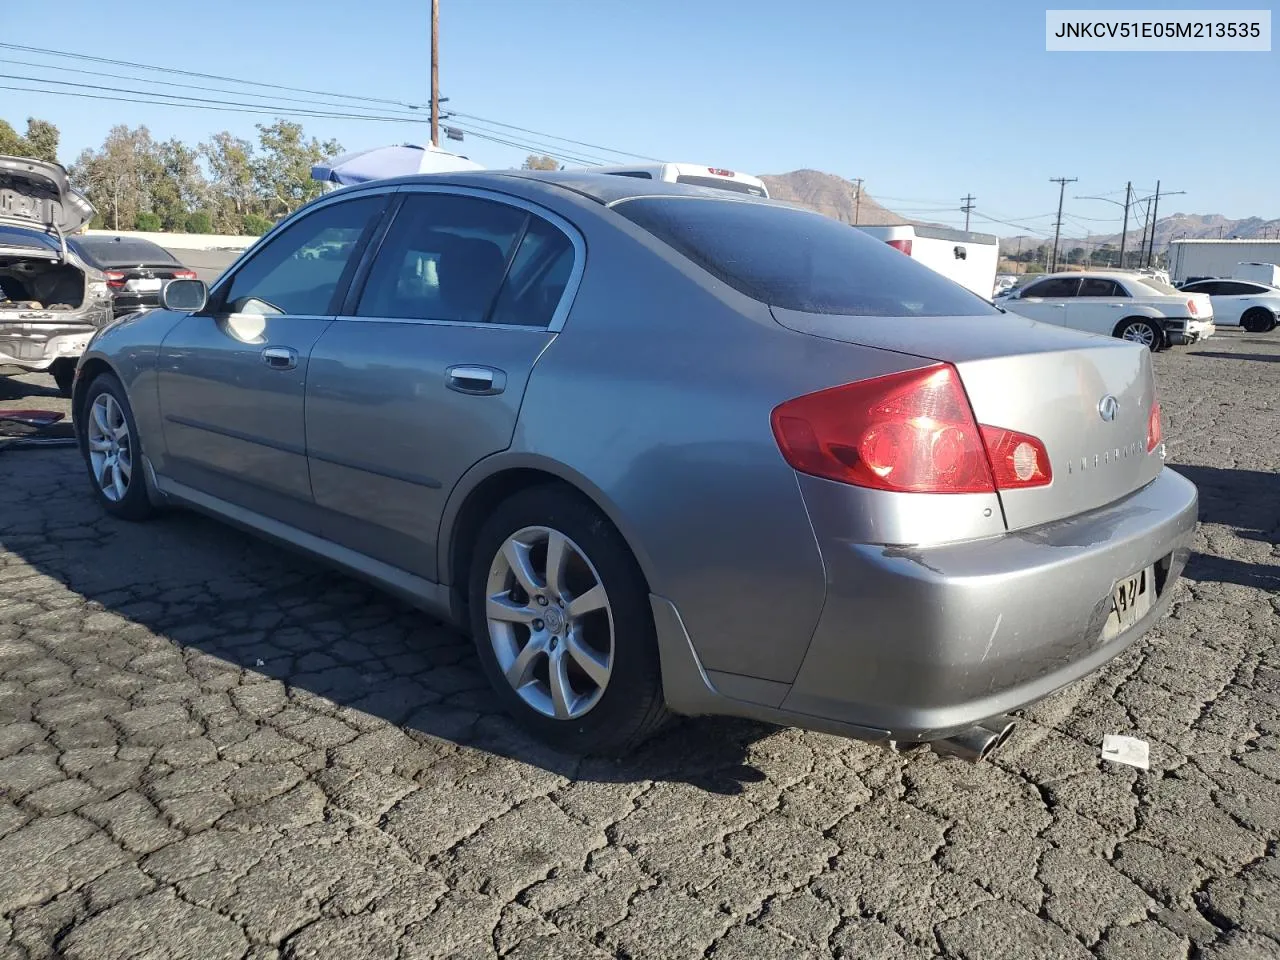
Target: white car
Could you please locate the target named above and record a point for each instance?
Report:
(1124, 305)
(1243, 303)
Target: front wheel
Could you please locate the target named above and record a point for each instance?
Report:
(1143, 331)
(112, 452)
(1258, 320)
(560, 614)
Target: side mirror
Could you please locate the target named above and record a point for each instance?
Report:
(184, 296)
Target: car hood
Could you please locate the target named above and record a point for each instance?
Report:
(38, 194)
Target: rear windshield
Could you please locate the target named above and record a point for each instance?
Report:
(721, 183)
(18, 237)
(800, 260)
(1158, 286)
(112, 252)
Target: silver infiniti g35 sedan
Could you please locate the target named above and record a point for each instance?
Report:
(662, 449)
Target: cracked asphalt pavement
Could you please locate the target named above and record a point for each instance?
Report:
(211, 748)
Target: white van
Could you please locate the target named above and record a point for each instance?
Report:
(692, 174)
(1268, 273)
(969, 259)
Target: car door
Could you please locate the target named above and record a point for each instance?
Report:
(423, 374)
(1098, 306)
(231, 378)
(1046, 300)
(1233, 299)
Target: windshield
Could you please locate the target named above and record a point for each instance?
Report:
(799, 260)
(721, 183)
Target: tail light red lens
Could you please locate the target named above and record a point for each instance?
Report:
(1191, 305)
(1154, 431)
(910, 432)
(184, 275)
(114, 278)
(903, 245)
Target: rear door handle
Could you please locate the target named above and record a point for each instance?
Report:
(476, 380)
(280, 358)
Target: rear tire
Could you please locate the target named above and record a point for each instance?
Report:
(64, 375)
(1143, 331)
(112, 451)
(1258, 320)
(579, 644)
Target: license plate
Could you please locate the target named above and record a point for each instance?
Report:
(1131, 598)
(141, 286)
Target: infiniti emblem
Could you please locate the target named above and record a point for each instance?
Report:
(1108, 406)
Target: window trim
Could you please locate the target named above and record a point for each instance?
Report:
(216, 305)
(356, 288)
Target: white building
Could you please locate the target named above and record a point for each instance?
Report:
(1192, 259)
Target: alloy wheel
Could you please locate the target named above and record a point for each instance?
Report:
(1142, 333)
(110, 447)
(550, 622)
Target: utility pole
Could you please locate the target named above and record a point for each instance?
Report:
(857, 199)
(1155, 210)
(967, 202)
(1124, 231)
(435, 73)
(1057, 227)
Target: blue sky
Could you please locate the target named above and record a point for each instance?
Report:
(926, 101)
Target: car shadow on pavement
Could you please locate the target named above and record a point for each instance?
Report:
(251, 606)
(1219, 355)
(1245, 501)
(18, 387)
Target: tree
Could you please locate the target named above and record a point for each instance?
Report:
(40, 143)
(231, 192)
(199, 222)
(282, 166)
(121, 177)
(181, 188)
(535, 162)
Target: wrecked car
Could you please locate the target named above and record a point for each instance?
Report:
(51, 300)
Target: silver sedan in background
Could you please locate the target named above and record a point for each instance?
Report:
(661, 450)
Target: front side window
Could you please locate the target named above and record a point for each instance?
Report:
(799, 260)
(443, 258)
(298, 271)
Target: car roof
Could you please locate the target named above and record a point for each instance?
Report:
(603, 188)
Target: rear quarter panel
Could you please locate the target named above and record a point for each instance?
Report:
(655, 401)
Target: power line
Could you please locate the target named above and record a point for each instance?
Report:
(204, 76)
(417, 111)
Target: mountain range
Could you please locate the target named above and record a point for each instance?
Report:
(838, 198)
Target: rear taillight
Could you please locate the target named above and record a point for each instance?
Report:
(903, 245)
(910, 432)
(114, 278)
(1191, 305)
(184, 275)
(1154, 432)
(720, 172)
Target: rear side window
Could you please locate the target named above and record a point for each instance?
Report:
(537, 278)
(1100, 287)
(1055, 288)
(799, 260)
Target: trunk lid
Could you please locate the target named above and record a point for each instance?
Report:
(38, 194)
(1038, 379)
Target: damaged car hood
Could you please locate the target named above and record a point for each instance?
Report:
(38, 194)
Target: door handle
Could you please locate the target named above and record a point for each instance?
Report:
(475, 380)
(280, 358)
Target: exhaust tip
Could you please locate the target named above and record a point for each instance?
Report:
(977, 742)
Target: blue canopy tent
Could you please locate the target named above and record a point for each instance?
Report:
(378, 163)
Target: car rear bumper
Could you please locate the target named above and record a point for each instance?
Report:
(36, 345)
(1191, 331)
(922, 643)
(918, 644)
